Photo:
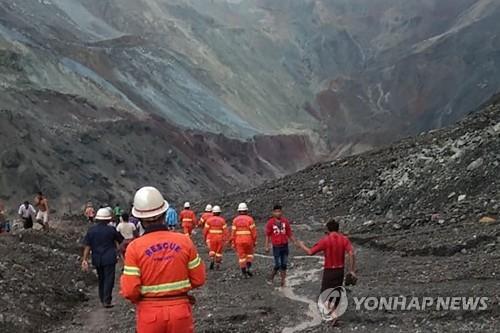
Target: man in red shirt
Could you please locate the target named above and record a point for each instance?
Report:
(278, 231)
(334, 246)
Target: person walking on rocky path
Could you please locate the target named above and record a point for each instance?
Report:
(171, 219)
(26, 212)
(127, 230)
(188, 219)
(160, 269)
(102, 241)
(117, 212)
(4, 226)
(89, 212)
(215, 235)
(42, 215)
(204, 216)
(278, 231)
(244, 239)
(335, 247)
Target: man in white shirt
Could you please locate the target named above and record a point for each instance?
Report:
(127, 230)
(27, 212)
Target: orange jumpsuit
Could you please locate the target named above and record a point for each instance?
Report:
(204, 217)
(215, 234)
(244, 237)
(160, 268)
(188, 221)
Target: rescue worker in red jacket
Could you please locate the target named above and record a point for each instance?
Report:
(244, 239)
(188, 219)
(161, 267)
(205, 215)
(215, 234)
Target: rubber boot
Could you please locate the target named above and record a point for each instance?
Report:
(249, 273)
(283, 278)
(244, 272)
(212, 264)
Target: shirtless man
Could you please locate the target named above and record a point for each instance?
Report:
(42, 216)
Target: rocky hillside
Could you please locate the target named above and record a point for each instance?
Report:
(229, 82)
(422, 213)
(442, 184)
(104, 154)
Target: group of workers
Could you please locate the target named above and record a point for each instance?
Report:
(28, 214)
(162, 266)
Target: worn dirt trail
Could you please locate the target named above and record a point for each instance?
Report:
(296, 279)
(92, 317)
(229, 303)
(302, 282)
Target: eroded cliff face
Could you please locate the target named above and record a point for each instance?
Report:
(281, 84)
(105, 154)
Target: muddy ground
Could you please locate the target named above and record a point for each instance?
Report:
(229, 303)
(423, 215)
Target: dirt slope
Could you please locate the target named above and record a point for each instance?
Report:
(416, 212)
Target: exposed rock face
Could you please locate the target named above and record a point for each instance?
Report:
(105, 154)
(339, 77)
(421, 185)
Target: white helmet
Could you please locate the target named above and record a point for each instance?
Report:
(242, 207)
(216, 209)
(148, 203)
(208, 208)
(187, 205)
(104, 214)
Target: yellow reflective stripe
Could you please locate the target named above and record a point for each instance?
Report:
(224, 226)
(187, 220)
(216, 231)
(252, 226)
(166, 287)
(246, 232)
(194, 263)
(131, 270)
(243, 260)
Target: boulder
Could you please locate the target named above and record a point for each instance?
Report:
(476, 164)
(487, 220)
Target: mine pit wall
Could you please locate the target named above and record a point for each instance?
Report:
(75, 151)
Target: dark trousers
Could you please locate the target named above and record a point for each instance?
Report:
(106, 276)
(332, 278)
(27, 222)
(280, 254)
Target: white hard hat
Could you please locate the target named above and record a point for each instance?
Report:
(242, 207)
(187, 205)
(104, 214)
(208, 208)
(216, 209)
(148, 203)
